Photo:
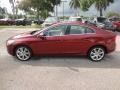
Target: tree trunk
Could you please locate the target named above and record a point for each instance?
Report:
(38, 13)
(16, 12)
(13, 10)
(101, 12)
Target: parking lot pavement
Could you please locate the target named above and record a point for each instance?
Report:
(57, 73)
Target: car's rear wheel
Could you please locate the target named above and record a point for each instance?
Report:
(96, 53)
(23, 53)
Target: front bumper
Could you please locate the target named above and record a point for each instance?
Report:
(10, 48)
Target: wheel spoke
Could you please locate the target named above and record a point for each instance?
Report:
(97, 54)
(21, 49)
(22, 57)
(93, 57)
(26, 55)
(97, 58)
(23, 53)
(92, 53)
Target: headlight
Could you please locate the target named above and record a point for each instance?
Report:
(10, 42)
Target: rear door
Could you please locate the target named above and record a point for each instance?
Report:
(78, 39)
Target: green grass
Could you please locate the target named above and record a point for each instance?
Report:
(14, 26)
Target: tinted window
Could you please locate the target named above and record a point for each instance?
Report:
(56, 31)
(80, 30)
(77, 30)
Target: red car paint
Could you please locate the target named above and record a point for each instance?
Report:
(117, 23)
(77, 44)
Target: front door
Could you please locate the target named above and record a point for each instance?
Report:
(51, 43)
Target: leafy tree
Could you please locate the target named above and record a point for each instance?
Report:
(3, 12)
(113, 14)
(86, 4)
(25, 5)
(14, 6)
(40, 7)
(12, 2)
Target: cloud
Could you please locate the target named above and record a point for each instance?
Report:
(5, 3)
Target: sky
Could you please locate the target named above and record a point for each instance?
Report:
(5, 3)
(70, 12)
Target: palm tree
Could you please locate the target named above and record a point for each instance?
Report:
(82, 4)
(85, 4)
(75, 4)
(102, 5)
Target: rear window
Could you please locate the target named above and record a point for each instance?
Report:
(76, 29)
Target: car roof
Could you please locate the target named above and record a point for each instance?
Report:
(76, 23)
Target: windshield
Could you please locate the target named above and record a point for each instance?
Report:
(39, 31)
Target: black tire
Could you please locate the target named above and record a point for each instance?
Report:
(27, 52)
(98, 56)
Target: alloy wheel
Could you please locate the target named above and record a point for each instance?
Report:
(97, 54)
(23, 53)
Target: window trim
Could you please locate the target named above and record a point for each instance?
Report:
(57, 26)
(90, 29)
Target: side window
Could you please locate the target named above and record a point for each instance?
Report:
(77, 30)
(56, 31)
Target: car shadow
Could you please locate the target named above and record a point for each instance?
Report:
(9, 63)
(110, 61)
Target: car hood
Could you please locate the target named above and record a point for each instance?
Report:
(23, 35)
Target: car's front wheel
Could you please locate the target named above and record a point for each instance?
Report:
(23, 53)
(96, 53)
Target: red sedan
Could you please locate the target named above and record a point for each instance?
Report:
(71, 38)
(117, 23)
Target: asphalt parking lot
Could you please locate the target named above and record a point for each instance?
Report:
(57, 73)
